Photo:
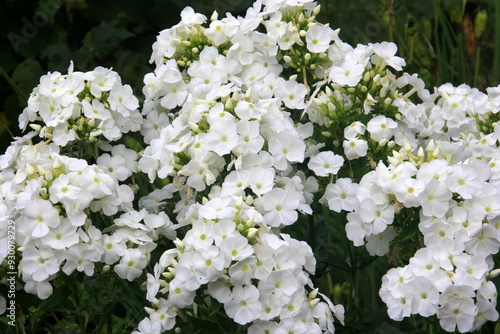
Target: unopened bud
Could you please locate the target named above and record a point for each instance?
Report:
(178, 243)
(214, 16)
(314, 302)
(316, 10)
(366, 77)
(494, 273)
(252, 232)
(36, 127)
(313, 294)
(168, 275)
(194, 126)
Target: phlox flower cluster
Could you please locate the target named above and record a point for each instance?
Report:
(230, 149)
(55, 199)
(81, 106)
(440, 183)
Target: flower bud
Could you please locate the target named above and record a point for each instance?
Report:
(494, 273)
(252, 232)
(316, 10)
(36, 127)
(314, 302)
(214, 16)
(313, 294)
(178, 243)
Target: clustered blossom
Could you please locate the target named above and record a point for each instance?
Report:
(81, 106)
(248, 123)
(54, 198)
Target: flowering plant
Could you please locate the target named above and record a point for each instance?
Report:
(250, 125)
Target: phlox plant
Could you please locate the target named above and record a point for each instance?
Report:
(249, 125)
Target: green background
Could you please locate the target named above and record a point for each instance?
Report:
(444, 41)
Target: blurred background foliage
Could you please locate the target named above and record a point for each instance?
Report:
(443, 41)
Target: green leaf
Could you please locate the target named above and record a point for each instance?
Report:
(406, 234)
(59, 296)
(48, 9)
(103, 39)
(26, 76)
(7, 61)
(386, 328)
(58, 57)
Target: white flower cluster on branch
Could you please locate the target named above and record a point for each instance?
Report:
(249, 123)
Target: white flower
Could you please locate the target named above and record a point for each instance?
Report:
(379, 216)
(357, 229)
(292, 93)
(286, 147)
(220, 31)
(243, 271)
(381, 127)
(425, 296)
(355, 147)
(378, 244)
(147, 326)
(222, 137)
(217, 208)
(349, 74)
(131, 264)
(235, 248)
(407, 191)
(209, 263)
(326, 163)
(280, 207)
(40, 216)
(80, 257)
(386, 51)
(435, 199)
(283, 284)
(39, 264)
(244, 305)
(318, 38)
(341, 195)
(456, 312)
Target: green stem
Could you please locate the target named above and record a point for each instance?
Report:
(476, 67)
(14, 86)
(312, 236)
